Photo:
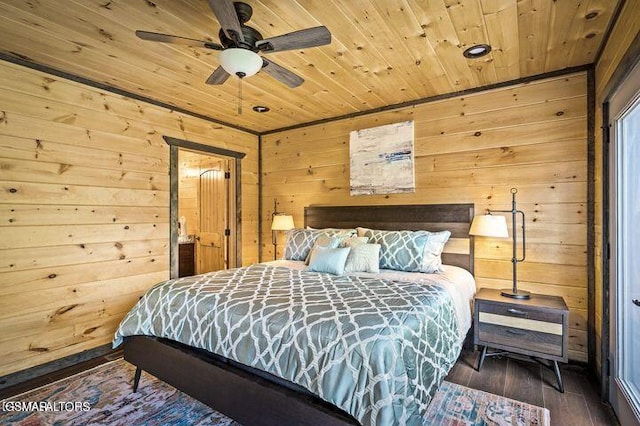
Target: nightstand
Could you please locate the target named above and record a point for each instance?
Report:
(536, 327)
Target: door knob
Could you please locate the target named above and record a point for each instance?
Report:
(636, 302)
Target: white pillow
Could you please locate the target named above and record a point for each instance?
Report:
(353, 241)
(363, 258)
(361, 231)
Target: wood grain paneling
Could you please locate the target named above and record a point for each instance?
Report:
(382, 52)
(622, 35)
(84, 210)
(541, 150)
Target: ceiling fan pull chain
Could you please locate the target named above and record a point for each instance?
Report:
(240, 96)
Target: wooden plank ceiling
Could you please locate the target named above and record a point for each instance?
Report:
(383, 52)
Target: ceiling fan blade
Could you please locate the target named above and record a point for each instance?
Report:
(219, 76)
(282, 74)
(166, 38)
(227, 17)
(311, 37)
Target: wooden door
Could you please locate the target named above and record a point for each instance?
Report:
(213, 205)
(207, 200)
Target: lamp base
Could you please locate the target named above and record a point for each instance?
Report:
(518, 294)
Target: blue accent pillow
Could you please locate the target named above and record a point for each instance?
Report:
(329, 260)
(328, 242)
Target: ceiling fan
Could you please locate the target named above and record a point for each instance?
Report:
(240, 44)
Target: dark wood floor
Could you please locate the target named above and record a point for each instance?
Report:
(519, 379)
(527, 381)
(57, 375)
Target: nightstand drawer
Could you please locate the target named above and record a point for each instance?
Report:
(522, 312)
(518, 338)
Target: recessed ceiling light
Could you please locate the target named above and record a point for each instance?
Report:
(260, 108)
(477, 51)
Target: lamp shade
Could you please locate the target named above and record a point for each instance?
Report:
(242, 61)
(282, 222)
(489, 226)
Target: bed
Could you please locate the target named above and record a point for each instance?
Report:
(302, 366)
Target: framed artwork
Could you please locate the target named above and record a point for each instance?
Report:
(382, 159)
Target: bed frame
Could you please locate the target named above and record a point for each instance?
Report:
(253, 397)
(432, 217)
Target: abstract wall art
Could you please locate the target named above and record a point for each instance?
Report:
(381, 159)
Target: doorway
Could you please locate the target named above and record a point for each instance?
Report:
(205, 212)
(624, 268)
(216, 165)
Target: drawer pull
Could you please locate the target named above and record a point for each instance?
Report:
(516, 312)
(516, 332)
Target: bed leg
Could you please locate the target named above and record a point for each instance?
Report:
(136, 379)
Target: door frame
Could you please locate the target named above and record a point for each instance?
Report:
(630, 60)
(174, 145)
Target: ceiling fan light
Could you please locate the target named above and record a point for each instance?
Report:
(240, 62)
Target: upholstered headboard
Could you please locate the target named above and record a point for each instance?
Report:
(431, 217)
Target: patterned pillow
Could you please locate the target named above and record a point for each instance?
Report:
(300, 241)
(329, 260)
(432, 260)
(363, 258)
(400, 250)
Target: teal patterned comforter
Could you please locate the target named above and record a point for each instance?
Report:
(376, 349)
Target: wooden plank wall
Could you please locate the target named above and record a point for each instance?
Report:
(622, 35)
(188, 170)
(469, 149)
(84, 210)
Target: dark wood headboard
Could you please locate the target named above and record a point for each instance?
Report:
(431, 217)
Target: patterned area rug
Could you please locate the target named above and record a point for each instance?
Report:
(102, 396)
(455, 405)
